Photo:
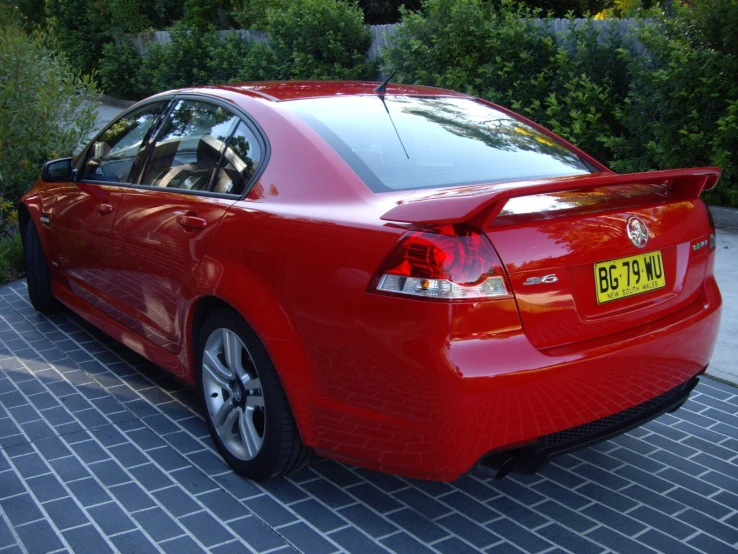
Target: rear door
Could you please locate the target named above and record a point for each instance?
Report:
(199, 164)
(82, 212)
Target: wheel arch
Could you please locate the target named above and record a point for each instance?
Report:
(290, 361)
(24, 216)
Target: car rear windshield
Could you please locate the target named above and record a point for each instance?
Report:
(409, 142)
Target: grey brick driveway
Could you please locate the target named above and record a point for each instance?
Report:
(103, 452)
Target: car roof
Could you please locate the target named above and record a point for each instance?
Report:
(296, 90)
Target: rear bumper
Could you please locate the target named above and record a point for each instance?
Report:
(530, 458)
(413, 400)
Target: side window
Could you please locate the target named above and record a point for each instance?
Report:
(240, 162)
(111, 157)
(188, 146)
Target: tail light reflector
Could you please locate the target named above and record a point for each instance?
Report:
(446, 264)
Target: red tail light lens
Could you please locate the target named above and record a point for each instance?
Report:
(449, 264)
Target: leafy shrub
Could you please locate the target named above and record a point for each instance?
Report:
(252, 14)
(194, 56)
(319, 39)
(12, 262)
(682, 109)
(203, 13)
(121, 70)
(46, 109)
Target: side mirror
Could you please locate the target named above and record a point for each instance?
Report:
(58, 170)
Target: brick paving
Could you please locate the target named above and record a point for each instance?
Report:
(102, 452)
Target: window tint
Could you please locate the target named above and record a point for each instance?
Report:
(240, 162)
(405, 142)
(188, 146)
(111, 157)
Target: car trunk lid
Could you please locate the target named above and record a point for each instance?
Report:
(562, 241)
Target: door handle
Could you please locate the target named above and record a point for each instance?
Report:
(191, 222)
(105, 209)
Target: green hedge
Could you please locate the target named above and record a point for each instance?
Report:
(309, 39)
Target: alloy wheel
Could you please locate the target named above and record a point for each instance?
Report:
(233, 394)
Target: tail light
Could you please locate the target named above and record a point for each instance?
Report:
(446, 264)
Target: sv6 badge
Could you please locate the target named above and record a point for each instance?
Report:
(547, 279)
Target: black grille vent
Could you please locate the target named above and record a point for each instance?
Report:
(614, 421)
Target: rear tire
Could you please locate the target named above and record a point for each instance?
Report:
(38, 276)
(246, 408)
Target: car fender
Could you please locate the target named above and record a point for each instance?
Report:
(234, 284)
(33, 203)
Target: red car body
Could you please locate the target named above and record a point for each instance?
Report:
(417, 387)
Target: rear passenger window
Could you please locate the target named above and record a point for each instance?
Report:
(189, 146)
(240, 162)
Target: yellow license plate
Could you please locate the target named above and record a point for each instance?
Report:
(625, 277)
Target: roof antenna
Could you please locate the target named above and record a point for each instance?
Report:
(382, 88)
(381, 97)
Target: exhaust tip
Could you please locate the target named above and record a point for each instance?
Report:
(506, 467)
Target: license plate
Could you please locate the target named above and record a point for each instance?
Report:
(626, 277)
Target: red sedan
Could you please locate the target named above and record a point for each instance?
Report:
(411, 280)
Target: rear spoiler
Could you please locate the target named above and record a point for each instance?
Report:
(480, 205)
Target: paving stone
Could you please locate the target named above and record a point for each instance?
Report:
(256, 534)
(205, 528)
(471, 531)
(366, 520)
(158, 524)
(223, 505)
(21, 509)
(65, 513)
(507, 507)
(664, 543)
(711, 526)
(69, 468)
(402, 543)
(318, 515)
(519, 536)
(469, 507)
(39, 536)
(88, 492)
(453, 545)
(306, 539)
(272, 512)
(150, 477)
(569, 518)
(46, 487)
(353, 540)
(181, 545)
(568, 540)
(110, 518)
(135, 541)
(662, 522)
(617, 542)
(30, 465)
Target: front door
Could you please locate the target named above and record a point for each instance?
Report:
(82, 213)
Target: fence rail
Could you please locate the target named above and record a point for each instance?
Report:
(383, 36)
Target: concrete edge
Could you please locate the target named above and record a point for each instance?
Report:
(112, 101)
(725, 217)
